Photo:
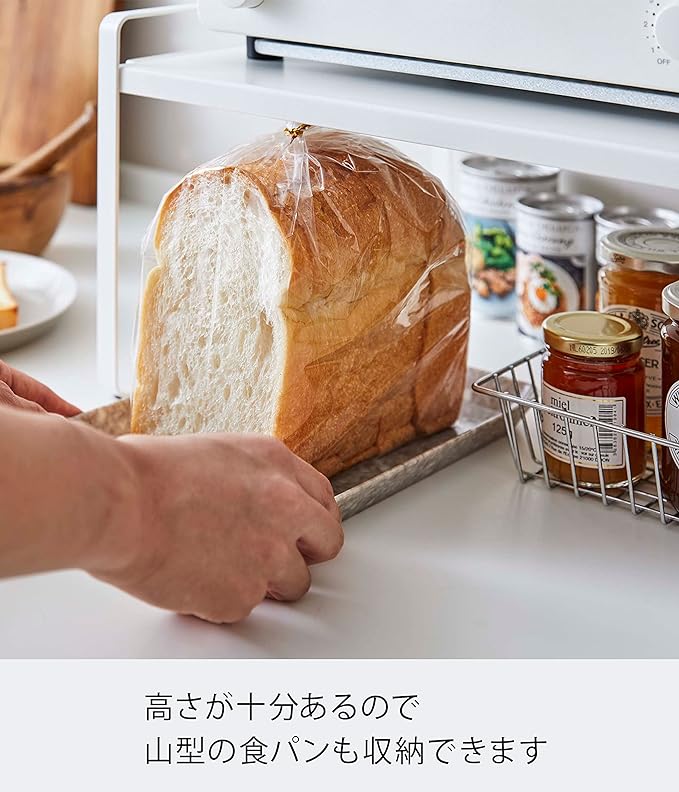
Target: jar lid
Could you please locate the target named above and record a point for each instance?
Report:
(653, 248)
(590, 334)
(670, 300)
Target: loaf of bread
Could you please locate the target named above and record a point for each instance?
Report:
(315, 289)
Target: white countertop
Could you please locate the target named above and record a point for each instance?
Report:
(468, 563)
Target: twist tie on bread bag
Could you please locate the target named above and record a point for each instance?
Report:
(295, 130)
(302, 177)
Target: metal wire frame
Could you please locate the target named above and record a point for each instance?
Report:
(515, 387)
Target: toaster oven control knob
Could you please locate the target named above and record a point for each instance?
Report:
(667, 30)
(243, 3)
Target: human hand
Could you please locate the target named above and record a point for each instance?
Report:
(223, 521)
(21, 391)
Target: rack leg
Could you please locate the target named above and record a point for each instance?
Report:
(108, 195)
(108, 184)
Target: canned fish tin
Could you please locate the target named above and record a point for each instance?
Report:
(614, 217)
(556, 269)
(489, 188)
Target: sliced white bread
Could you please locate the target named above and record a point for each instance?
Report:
(336, 321)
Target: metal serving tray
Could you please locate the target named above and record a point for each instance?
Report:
(369, 482)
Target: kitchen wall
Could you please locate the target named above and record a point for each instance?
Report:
(161, 140)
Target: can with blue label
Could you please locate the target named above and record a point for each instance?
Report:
(555, 256)
(489, 189)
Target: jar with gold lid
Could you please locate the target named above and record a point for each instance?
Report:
(592, 368)
(670, 392)
(639, 263)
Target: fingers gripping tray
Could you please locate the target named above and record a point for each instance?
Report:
(479, 423)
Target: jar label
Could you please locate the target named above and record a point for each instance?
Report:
(650, 323)
(672, 419)
(583, 440)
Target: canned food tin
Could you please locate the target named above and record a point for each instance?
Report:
(614, 217)
(489, 188)
(556, 269)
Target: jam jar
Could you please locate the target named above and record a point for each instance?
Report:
(592, 367)
(638, 263)
(670, 392)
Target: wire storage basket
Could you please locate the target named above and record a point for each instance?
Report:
(516, 388)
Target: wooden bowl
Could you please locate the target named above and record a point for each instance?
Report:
(31, 208)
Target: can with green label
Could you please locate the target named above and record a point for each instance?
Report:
(489, 189)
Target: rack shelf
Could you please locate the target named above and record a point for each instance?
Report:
(605, 140)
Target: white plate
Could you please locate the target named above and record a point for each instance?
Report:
(44, 292)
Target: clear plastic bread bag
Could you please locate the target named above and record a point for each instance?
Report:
(310, 286)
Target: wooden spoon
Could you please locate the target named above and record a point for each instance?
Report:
(56, 149)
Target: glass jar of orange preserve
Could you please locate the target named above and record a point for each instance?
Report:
(670, 391)
(639, 263)
(592, 367)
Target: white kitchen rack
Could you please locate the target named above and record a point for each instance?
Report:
(604, 140)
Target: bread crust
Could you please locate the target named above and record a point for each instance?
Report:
(377, 308)
(143, 419)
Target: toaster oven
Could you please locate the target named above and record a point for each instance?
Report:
(621, 51)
